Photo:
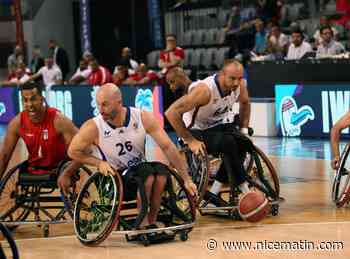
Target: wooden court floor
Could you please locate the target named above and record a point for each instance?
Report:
(308, 225)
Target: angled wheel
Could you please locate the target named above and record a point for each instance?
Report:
(10, 249)
(13, 206)
(262, 175)
(199, 171)
(97, 208)
(341, 182)
(78, 180)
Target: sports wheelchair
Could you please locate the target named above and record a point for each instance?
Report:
(8, 247)
(27, 198)
(260, 175)
(102, 208)
(341, 182)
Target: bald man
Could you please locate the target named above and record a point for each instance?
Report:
(202, 116)
(119, 132)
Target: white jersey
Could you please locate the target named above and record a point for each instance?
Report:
(217, 111)
(124, 146)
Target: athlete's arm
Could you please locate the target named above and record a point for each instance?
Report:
(10, 141)
(198, 97)
(341, 124)
(152, 128)
(244, 105)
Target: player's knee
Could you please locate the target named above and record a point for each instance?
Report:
(149, 181)
(228, 143)
(161, 179)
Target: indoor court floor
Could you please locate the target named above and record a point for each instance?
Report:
(308, 224)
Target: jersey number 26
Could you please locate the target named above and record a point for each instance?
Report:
(127, 145)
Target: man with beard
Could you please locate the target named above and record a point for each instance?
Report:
(203, 115)
(299, 47)
(45, 131)
(119, 133)
(328, 47)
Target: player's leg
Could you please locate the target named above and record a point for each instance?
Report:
(156, 197)
(148, 191)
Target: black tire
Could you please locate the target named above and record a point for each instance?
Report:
(10, 209)
(97, 208)
(262, 175)
(78, 180)
(12, 244)
(341, 182)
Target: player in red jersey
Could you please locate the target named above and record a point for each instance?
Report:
(45, 131)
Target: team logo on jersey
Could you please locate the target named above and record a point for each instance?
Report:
(107, 133)
(293, 118)
(121, 131)
(45, 134)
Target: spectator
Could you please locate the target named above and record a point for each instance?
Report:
(142, 76)
(82, 74)
(88, 56)
(260, 38)
(126, 58)
(20, 78)
(299, 47)
(278, 41)
(122, 74)
(328, 46)
(14, 59)
(99, 74)
(324, 21)
(172, 56)
(37, 60)
(50, 73)
(60, 57)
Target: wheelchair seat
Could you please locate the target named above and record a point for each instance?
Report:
(48, 180)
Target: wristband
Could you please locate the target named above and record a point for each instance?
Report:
(244, 131)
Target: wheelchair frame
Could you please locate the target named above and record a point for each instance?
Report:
(255, 179)
(341, 189)
(113, 212)
(11, 242)
(32, 196)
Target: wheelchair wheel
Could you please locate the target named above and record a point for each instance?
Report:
(341, 183)
(78, 180)
(97, 208)
(9, 250)
(199, 171)
(262, 175)
(13, 206)
(178, 207)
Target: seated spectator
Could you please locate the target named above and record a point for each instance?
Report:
(14, 59)
(122, 74)
(99, 75)
(88, 56)
(142, 76)
(37, 60)
(324, 21)
(260, 38)
(20, 78)
(50, 73)
(172, 56)
(126, 58)
(81, 75)
(278, 41)
(299, 47)
(328, 46)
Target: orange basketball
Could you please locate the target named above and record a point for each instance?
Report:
(253, 206)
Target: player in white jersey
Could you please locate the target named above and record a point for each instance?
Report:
(202, 114)
(119, 133)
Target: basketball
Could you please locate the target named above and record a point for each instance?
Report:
(253, 206)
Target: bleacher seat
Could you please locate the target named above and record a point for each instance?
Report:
(188, 57)
(208, 58)
(197, 57)
(220, 56)
(198, 37)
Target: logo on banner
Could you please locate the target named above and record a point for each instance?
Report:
(143, 100)
(293, 118)
(2, 108)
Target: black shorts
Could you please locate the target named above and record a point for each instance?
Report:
(139, 173)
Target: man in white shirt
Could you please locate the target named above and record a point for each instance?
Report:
(82, 73)
(299, 47)
(20, 78)
(329, 47)
(50, 73)
(278, 41)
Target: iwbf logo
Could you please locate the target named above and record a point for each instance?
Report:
(2, 108)
(293, 118)
(334, 105)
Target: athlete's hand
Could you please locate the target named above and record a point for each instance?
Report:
(191, 188)
(105, 169)
(64, 181)
(335, 162)
(197, 147)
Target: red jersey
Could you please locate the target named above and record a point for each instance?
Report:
(100, 76)
(45, 146)
(150, 74)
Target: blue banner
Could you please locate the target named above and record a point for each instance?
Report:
(156, 24)
(310, 110)
(85, 33)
